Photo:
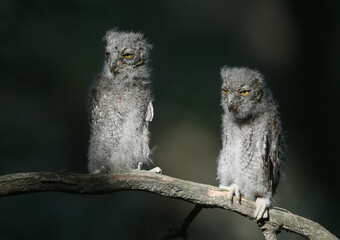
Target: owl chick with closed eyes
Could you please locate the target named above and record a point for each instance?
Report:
(253, 146)
(120, 105)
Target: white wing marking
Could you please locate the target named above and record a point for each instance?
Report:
(149, 112)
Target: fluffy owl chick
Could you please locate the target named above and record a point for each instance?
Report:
(253, 145)
(120, 105)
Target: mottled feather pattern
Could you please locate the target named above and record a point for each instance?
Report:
(252, 141)
(120, 105)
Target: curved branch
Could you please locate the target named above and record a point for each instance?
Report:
(197, 193)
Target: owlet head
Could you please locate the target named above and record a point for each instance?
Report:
(125, 50)
(242, 91)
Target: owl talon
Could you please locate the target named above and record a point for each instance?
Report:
(234, 190)
(140, 166)
(261, 211)
(102, 169)
(156, 170)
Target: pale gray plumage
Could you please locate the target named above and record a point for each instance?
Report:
(253, 147)
(120, 105)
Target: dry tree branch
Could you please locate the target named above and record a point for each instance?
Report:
(196, 193)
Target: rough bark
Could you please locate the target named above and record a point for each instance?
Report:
(196, 193)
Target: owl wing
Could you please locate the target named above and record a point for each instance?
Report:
(149, 112)
(273, 153)
(93, 98)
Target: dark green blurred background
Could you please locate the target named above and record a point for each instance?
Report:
(51, 50)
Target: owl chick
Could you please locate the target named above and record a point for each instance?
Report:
(120, 105)
(253, 146)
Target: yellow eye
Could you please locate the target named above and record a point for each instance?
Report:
(128, 55)
(244, 93)
(224, 91)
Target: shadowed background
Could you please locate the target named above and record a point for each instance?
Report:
(51, 51)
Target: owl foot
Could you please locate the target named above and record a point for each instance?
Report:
(102, 169)
(155, 170)
(140, 166)
(233, 190)
(261, 211)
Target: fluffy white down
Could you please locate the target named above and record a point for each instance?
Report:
(241, 164)
(252, 140)
(120, 106)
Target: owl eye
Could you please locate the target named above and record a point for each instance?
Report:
(224, 91)
(245, 92)
(107, 54)
(128, 55)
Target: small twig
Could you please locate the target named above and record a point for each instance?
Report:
(182, 232)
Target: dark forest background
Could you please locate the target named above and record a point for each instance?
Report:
(51, 51)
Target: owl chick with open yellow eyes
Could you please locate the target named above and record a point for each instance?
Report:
(120, 105)
(253, 147)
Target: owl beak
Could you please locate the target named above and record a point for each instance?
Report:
(230, 105)
(114, 63)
